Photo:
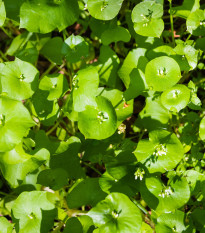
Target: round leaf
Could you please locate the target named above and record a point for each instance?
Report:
(202, 129)
(196, 23)
(104, 9)
(163, 198)
(2, 13)
(176, 98)
(5, 225)
(116, 214)
(98, 122)
(115, 34)
(146, 18)
(162, 73)
(162, 152)
(44, 16)
(15, 122)
(33, 212)
(19, 79)
(75, 48)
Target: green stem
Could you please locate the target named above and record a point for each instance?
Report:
(93, 168)
(7, 33)
(172, 23)
(3, 56)
(140, 206)
(52, 65)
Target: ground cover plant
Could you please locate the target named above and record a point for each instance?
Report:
(102, 120)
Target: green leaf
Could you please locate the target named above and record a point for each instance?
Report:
(73, 225)
(196, 23)
(115, 34)
(5, 225)
(104, 9)
(176, 98)
(75, 48)
(146, 18)
(19, 79)
(123, 109)
(2, 13)
(202, 129)
(55, 84)
(45, 110)
(198, 216)
(52, 50)
(107, 65)
(16, 164)
(186, 8)
(87, 192)
(162, 73)
(172, 222)
(167, 198)
(85, 85)
(13, 8)
(44, 16)
(135, 59)
(53, 178)
(154, 115)
(116, 214)
(68, 159)
(162, 152)
(33, 212)
(15, 122)
(98, 122)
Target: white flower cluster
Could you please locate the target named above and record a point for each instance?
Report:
(160, 150)
(139, 173)
(102, 116)
(166, 192)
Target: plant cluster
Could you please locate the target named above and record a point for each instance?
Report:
(102, 120)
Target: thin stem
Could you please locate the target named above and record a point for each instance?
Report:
(93, 168)
(7, 33)
(172, 23)
(52, 65)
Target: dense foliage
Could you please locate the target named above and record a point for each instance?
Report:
(102, 120)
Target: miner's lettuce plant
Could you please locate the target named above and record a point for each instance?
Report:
(102, 120)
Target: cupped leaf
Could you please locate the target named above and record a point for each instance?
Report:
(165, 198)
(67, 158)
(202, 129)
(44, 16)
(15, 121)
(85, 85)
(162, 152)
(19, 79)
(45, 110)
(115, 34)
(116, 214)
(176, 98)
(87, 192)
(135, 60)
(53, 178)
(146, 18)
(186, 8)
(104, 9)
(2, 13)
(5, 225)
(123, 109)
(73, 225)
(171, 222)
(98, 122)
(107, 66)
(33, 212)
(75, 48)
(154, 115)
(55, 84)
(16, 164)
(196, 23)
(52, 50)
(162, 73)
